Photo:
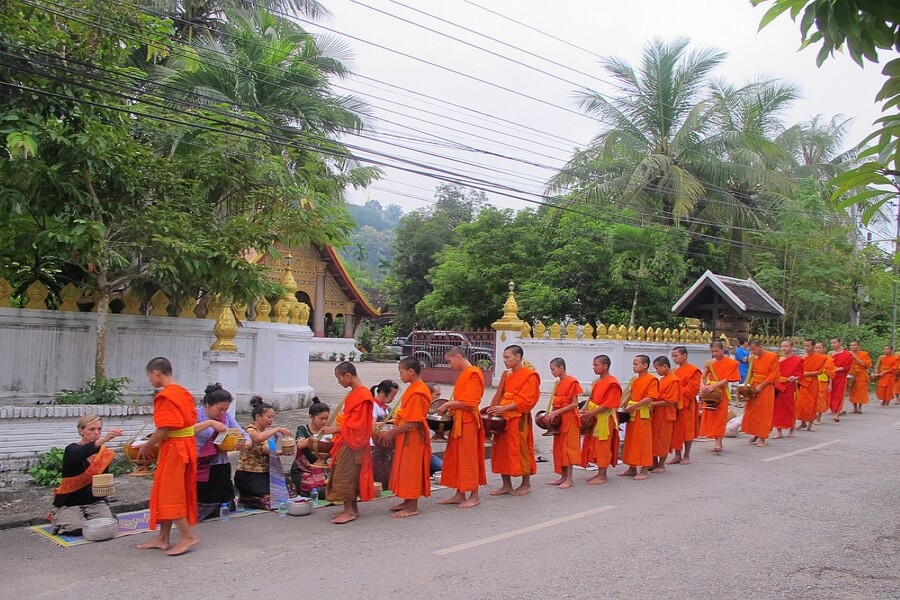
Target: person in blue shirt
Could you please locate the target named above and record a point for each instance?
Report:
(742, 355)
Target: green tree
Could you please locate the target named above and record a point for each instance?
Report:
(653, 154)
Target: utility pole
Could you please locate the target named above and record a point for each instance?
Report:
(894, 269)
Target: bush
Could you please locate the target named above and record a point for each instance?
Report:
(96, 391)
(48, 469)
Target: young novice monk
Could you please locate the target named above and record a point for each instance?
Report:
(512, 454)
(351, 469)
(663, 414)
(688, 415)
(601, 444)
(565, 406)
(410, 476)
(173, 498)
(638, 450)
(464, 458)
(884, 373)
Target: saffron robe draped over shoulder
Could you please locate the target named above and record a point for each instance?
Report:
(687, 413)
(785, 413)
(859, 389)
(566, 450)
(352, 445)
(464, 457)
(842, 359)
(513, 450)
(825, 382)
(887, 367)
(638, 449)
(410, 476)
(808, 393)
(713, 421)
(601, 445)
(757, 419)
(174, 493)
(663, 417)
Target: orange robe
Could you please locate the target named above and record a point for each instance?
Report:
(352, 443)
(685, 429)
(174, 493)
(887, 366)
(859, 389)
(601, 445)
(663, 417)
(513, 450)
(842, 359)
(410, 476)
(638, 450)
(828, 374)
(463, 468)
(757, 419)
(566, 451)
(808, 394)
(713, 421)
(785, 414)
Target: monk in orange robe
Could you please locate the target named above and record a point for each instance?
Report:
(464, 457)
(826, 383)
(512, 454)
(718, 372)
(564, 405)
(763, 374)
(790, 371)
(859, 370)
(638, 450)
(884, 373)
(688, 411)
(663, 412)
(808, 392)
(173, 499)
(410, 476)
(843, 360)
(351, 467)
(601, 443)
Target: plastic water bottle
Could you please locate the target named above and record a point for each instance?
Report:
(314, 496)
(223, 512)
(238, 507)
(282, 508)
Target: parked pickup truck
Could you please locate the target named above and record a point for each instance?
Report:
(431, 346)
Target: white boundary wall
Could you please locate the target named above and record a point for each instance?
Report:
(44, 351)
(579, 356)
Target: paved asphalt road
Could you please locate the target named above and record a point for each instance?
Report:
(812, 517)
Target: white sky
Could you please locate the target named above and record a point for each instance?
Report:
(603, 27)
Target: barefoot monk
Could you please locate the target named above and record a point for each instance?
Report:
(601, 444)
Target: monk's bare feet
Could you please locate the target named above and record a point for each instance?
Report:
(753, 439)
(521, 490)
(565, 484)
(183, 545)
(156, 543)
(761, 443)
(406, 512)
(674, 461)
(642, 474)
(777, 436)
(344, 517)
(791, 434)
(810, 428)
(455, 499)
(556, 482)
(628, 473)
(470, 503)
(397, 507)
(502, 491)
(597, 480)
(685, 461)
(716, 449)
(659, 469)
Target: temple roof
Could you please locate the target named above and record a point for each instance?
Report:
(744, 296)
(345, 281)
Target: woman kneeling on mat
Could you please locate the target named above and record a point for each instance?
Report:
(214, 486)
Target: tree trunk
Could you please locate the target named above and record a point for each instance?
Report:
(102, 313)
(634, 304)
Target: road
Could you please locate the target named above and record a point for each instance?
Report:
(812, 517)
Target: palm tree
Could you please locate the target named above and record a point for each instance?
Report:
(642, 254)
(650, 155)
(746, 195)
(196, 17)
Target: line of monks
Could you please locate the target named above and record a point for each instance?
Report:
(665, 412)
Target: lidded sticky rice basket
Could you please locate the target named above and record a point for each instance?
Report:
(102, 485)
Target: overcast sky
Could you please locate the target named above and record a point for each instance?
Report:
(544, 128)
